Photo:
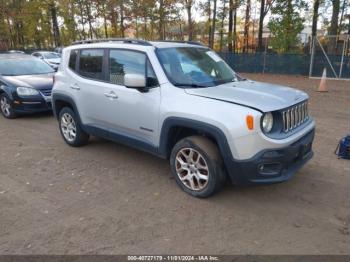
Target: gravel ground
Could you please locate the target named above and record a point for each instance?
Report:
(106, 198)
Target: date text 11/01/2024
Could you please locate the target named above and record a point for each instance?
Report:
(173, 258)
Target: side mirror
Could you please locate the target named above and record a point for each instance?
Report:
(136, 81)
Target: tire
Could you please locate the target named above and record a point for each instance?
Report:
(70, 128)
(205, 161)
(6, 107)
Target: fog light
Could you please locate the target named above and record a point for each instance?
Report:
(270, 168)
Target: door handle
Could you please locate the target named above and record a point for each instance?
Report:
(111, 95)
(75, 87)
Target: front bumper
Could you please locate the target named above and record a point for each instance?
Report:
(33, 105)
(273, 165)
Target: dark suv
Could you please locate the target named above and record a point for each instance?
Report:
(25, 85)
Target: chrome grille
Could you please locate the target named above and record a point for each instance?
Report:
(295, 116)
(46, 92)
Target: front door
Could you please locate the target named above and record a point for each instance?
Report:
(131, 112)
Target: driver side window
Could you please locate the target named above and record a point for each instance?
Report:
(122, 62)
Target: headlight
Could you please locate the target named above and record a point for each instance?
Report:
(26, 91)
(267, 122)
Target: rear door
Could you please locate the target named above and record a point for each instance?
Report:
(88, 86)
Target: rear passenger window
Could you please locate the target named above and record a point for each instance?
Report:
(73, 59)
(123, 62)
(91, 63)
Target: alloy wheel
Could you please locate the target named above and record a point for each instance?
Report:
(192, 169)
(5, 106)
(68, 127)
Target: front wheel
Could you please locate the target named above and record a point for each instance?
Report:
(70, 128)
(197, 166)
(6, 108)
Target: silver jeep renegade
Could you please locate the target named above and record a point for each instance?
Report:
(182, 102)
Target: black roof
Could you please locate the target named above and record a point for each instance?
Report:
(131, 41)
(123, 40)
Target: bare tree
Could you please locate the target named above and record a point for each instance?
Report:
(246, 26)
(55, 28)
(122, 18)
(230, 25)
(315, 17)
(188, 5)
(161, 20)
(333, 30)
(235, 27)
(344, 6)
(265, 6)
(213, 22)
(223, 17)
(209, 21)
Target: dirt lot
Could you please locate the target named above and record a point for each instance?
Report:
(109, 199)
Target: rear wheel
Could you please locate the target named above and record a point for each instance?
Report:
(6, 107)
(70, 128)
(197, 166)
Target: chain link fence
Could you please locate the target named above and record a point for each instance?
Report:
(331, 53)
(293, 64)
(309, 59)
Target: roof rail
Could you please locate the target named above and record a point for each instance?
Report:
(123, 40)
(182, 42)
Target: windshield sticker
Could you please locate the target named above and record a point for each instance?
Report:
(214, 56)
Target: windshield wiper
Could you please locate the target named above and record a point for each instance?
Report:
(191, 85)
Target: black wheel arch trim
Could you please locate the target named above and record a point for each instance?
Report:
(67, 99)
(209, 129)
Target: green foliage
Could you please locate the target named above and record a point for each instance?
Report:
(286, 24)
(43, 24)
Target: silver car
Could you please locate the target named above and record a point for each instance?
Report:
(180, 101)
(51, 58)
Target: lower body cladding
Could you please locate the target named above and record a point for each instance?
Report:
(272, 166)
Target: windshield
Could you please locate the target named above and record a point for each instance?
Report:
(195, 67)
(16, 67)
(51, 55)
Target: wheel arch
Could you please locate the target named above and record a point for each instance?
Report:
(175, 128)
(60, 101)
(6, 89)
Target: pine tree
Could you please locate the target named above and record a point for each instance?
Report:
(286, 24)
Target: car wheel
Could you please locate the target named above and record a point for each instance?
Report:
(6, 107)
(197, 166)
(70, 128)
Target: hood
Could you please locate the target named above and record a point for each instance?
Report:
(56, 61)
(38, 82)
(261, 96)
